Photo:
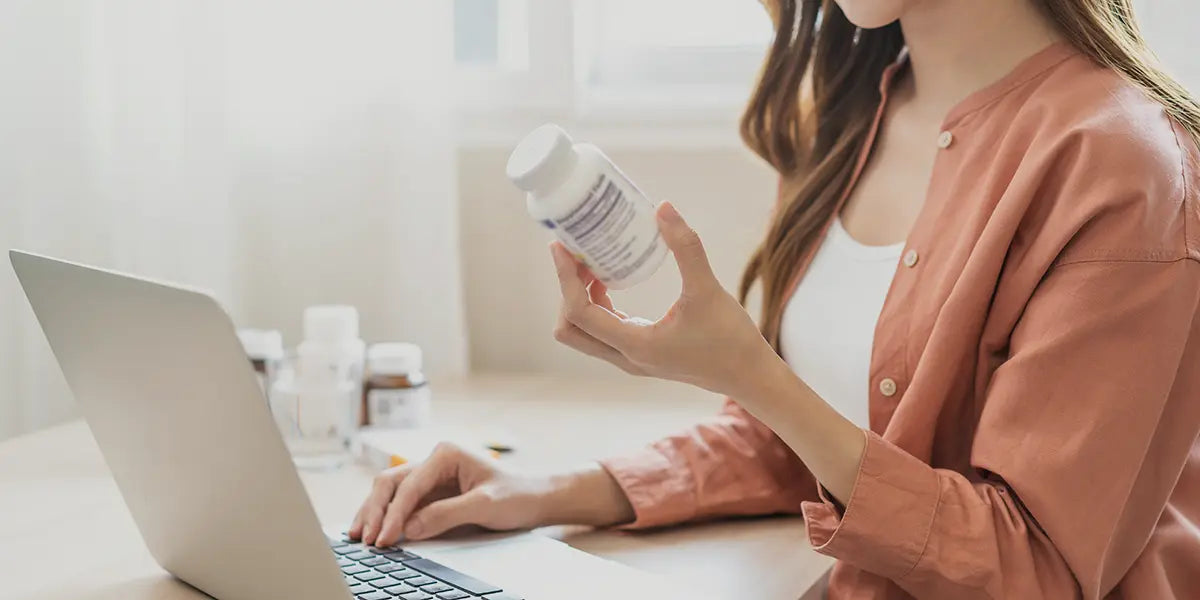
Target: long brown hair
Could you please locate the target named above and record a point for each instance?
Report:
(812, 110)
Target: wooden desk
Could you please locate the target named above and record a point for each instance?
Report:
(65, 532)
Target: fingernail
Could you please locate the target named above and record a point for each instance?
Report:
(366, 535)
(414, 529)
(668, 214)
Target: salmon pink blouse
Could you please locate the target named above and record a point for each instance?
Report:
(1035, 375)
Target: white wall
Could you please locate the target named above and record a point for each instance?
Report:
(511, 292)
(345, 175)
(278, 153)
(109, 154)
(1170, 27)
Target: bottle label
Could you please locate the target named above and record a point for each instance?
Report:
(610, 231)
(405, 408)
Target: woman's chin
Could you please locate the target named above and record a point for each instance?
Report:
(872, 14)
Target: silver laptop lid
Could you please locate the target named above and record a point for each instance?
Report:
(161, 378)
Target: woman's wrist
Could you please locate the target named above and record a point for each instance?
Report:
(586, 496)
(830, 445)
(760, 377)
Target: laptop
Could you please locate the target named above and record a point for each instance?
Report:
(159, 374)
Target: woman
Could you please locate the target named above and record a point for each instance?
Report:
(1008, 408)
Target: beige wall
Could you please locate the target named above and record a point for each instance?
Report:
(511, 292)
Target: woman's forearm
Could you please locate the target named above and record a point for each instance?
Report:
(586, 496)
(829, 444)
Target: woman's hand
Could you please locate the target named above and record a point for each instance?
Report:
(454, 487)
(706, 338)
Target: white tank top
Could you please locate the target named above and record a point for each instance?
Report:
(828, 325)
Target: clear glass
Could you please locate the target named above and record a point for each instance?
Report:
(314, 416)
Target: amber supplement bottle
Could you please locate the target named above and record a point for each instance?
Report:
(396, 393)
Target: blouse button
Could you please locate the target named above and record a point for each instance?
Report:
(887, 387)
(910, 258)
(945, 139)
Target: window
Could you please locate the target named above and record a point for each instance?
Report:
(492, 34)
(609, 59)
(669, 47)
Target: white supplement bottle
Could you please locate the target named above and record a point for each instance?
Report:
(331, 342)
(598, 213)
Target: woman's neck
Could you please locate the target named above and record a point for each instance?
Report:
(957, 47)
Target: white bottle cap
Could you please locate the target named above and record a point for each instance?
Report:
(331, 323)
(541, 158)
(393, 358)
(261, 343)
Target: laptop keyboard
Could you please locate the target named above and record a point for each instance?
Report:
(394, 573)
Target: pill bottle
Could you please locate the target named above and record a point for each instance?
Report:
(589, 204)
(311, 404)
(396, 394)
(264, 348)
(331, 342)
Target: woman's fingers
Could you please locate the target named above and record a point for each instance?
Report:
(442, 466)
(685, 245)
(356, 526)
(367, 524)
(578, 307)
(441, 516)
(570, 335)
(598, 292)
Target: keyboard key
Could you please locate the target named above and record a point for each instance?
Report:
(388, 567)
(436, 588)
(385, 582)
(360, 555)
(344, 562)
(452, 595)
(345, 549)
(375, 595)
(402, 588)
(376, 561)
(417, 595)
(405, 574)
(420, 581)
(451, 577)
(402, 555)
(354, 569)
(369, 576)
(361, 588)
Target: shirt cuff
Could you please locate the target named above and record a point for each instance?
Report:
(660, 492)
(887, 519)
